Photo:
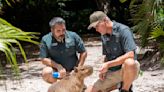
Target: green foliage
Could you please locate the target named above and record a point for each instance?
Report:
(162, 61)
(122, 1)
(146, 17)
(158, 34)
(8, 2)
(11, 36)
(34, 15)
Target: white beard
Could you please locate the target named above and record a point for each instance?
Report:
(60, 39)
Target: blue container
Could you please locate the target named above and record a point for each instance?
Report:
(56, 74)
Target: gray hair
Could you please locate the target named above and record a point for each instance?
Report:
(56, 20)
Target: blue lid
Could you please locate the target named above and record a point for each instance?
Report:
(55, 74)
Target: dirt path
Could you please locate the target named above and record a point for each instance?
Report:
(31, 81)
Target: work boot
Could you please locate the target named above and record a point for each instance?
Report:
(122, 90)
(130, 89)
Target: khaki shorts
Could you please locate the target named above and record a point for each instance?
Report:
(112, 79)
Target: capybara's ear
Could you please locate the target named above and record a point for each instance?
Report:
(75, 69)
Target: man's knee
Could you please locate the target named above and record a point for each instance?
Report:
(91, 89)
(132, 67)
(47, 70)
(129, 63)
(47, 75)
(46, 60)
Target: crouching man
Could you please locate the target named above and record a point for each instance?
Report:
(120, 64)
(58, 50)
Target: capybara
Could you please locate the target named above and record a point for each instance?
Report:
(74, 82)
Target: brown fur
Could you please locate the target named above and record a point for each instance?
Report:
(74, 82)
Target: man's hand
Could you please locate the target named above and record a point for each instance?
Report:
(62, 71)
(102, 76)
(104, 68)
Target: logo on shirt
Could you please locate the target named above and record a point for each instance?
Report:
(54, 44)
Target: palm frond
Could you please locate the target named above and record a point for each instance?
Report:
(158, 34)
(157, 31)
(10, 35)
(10, 57)
(9, 2)
(122, 1)
(145, 18)
(4, 22)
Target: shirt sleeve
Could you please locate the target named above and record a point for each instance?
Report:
(43, 49)
(79, 44)
(127, 40)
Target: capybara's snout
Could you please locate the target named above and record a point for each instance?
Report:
(85, 70)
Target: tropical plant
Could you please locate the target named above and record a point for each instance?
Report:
(10, 37)
(158, 31)
(158, 34)
(146, 17)
(34, 15)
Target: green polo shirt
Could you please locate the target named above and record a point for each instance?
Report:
(62, 53)
(118, 43)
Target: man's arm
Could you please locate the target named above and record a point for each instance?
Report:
(51, 63)
(82, 58)
(118, 61)
(81, 49)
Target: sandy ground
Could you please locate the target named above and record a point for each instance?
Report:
(31, 80)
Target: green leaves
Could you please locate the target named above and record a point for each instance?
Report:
(10, 35)
(157, 32)
(9, 2)
(122, 1)
(145, 18)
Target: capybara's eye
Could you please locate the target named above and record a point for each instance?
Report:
(83, 69)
